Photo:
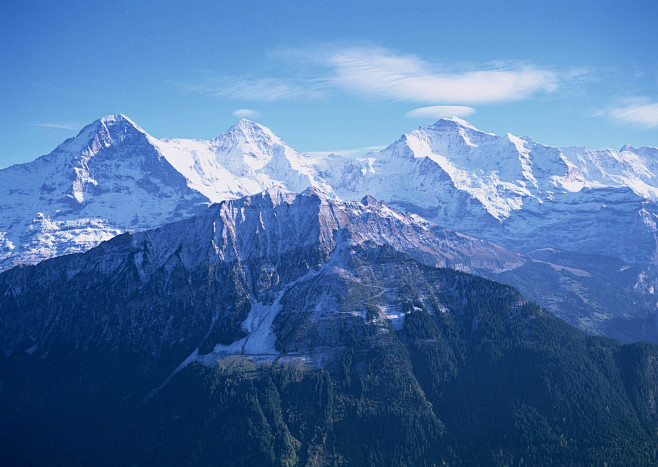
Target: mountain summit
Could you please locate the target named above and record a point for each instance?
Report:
(111, 129)
(113, 177)
(512, 191)
(250, 144)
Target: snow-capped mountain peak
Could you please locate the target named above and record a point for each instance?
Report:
(104, 132)
(248, 132)
(502, 186)
(107, 179)
(247, 159)
(250, 144)
(448, 137)
(120, 120)
(251, 129)
(455, 122)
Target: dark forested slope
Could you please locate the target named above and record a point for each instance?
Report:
(327, 347)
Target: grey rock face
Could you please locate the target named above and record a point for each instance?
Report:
(199, 282)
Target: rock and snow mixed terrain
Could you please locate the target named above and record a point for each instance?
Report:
(223, 275)
(513, 191)
(114, 177)
(530, 198)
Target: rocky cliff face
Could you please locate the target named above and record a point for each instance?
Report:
(218, 275)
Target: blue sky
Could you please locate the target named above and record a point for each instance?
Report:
(330, 75)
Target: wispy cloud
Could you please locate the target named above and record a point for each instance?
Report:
(640, 111)
(384, 74)
(440, 111)
(246, 113)
(258, 89)
(347, 152)
(59, 125)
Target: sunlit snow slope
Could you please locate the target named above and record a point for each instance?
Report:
(513, 191)
(114, 177)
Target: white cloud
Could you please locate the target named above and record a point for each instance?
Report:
(59, 125)
(384, 74)
(381, 73)
(639, 111)
(440, 111)
(246, 113)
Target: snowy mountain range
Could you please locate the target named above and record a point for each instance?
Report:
(514, 191)
(508, 190)
(529, 198)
